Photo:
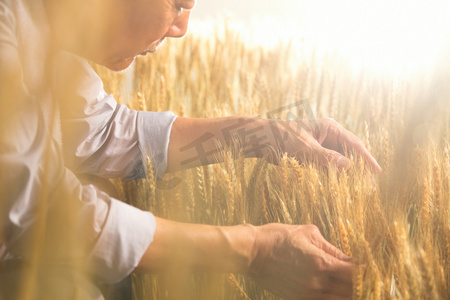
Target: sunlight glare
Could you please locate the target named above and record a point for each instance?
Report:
(383, 35)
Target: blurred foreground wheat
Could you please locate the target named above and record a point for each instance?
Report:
(396, 222)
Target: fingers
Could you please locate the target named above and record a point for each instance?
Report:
(306, 266)
(337, 264)
(341, 267)
(320, 288)
(316, 238)
(333, 251)
(336, 137)
(353, 143)
(341, 270)
(329, 157)
(337, 288)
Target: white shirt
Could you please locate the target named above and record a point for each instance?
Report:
(99, 137)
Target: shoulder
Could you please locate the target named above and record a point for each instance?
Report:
(74, 74)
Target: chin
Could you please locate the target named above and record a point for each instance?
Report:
(118, 66)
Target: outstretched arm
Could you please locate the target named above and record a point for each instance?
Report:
(194, 142)
(294, 262)
(199, 248)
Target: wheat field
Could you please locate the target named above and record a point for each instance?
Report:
(396, 222)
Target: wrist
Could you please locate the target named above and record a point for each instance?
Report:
(267, 238)
(241, 241)
(256, 139)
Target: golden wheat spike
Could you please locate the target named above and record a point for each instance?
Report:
(205, 77)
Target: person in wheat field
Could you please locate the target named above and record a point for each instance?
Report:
(63, 234)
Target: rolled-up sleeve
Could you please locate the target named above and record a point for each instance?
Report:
(153, 133)
(125, 236)
(82, 222)
(102, 137)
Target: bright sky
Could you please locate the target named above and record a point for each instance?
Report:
(380, 34)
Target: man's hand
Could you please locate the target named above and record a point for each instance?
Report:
(322, 140)
(296, 262)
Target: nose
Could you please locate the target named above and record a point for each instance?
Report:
(179, 25)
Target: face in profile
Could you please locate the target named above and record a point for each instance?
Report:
(140, 27)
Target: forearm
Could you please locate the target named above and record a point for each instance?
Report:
(199, 248)
(195, 142)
